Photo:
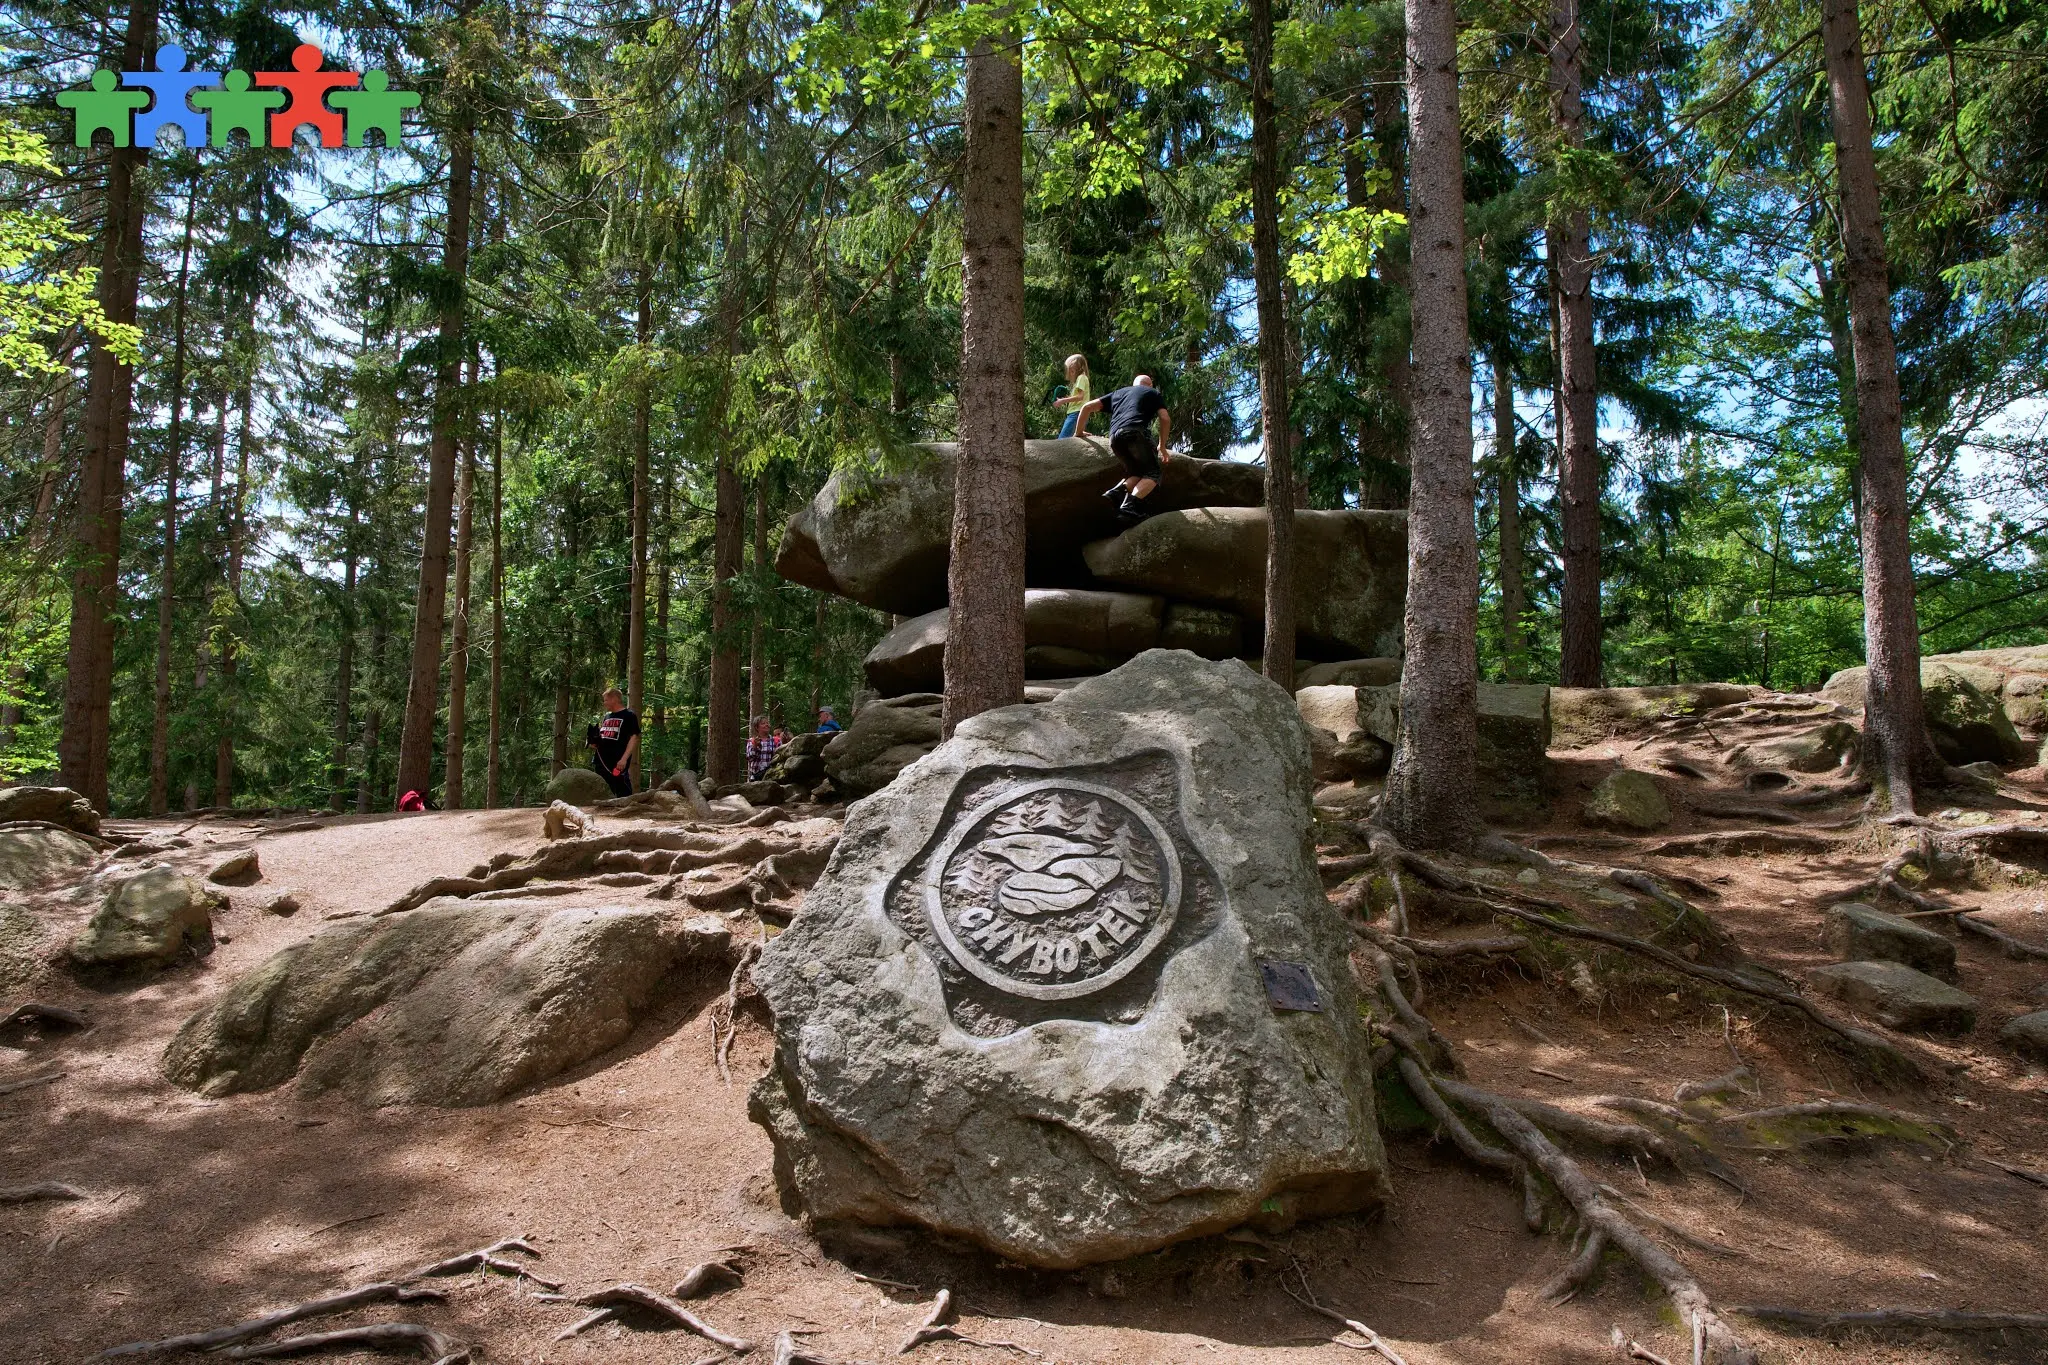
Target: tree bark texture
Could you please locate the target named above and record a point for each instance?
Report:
(1390, 444)
(643, 400)
(1274, 370)
(723, 756)
(423, 686)
(344, 666)
(167, 581)
(985, 649)
(39, 529)
(458, 644)
(661, 609)
(492, 763)
(238, 530)
(1514, 601)
(1895, 739)
(1578, 403)
(757, 650)
(103, 460)
(1431, 791)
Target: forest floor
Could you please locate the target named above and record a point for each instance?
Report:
(643, 1162)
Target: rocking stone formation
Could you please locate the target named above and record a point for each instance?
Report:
(1064, 994)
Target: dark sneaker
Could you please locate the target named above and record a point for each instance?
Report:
(1134, 510)
(1116, 490)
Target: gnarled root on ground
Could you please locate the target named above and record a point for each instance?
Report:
(1940, 1319)
(431, 1343)
(614, 1297)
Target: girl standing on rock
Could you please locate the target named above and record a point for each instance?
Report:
(1077, 393)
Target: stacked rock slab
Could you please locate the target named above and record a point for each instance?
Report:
(1191, 578)
(1064, 993)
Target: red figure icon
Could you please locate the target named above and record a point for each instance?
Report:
(308, 85)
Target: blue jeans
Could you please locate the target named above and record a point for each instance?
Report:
(1067, 427)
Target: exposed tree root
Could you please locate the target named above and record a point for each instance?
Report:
(706, 1277)
(935, 1326)
(45, 1017)
(1839, 1120)
(2014, 947)
(1307, 1299)
(1821, 796)
(29, 1194)
(789, 1352)
(1447, 948)
(1740, 1081)
(1694, 1307)
(1420, 1027)
(574, 857)
(1626, 1137)
(9, 1087)
(1479, 1152)
(724, 1030)
(431, 1343)
(487, 1258)
(1573, 1277)
(617, 1296)
(2019, 1172)
(1739, 841)
(1939, 1319)
(1770, 815)
(1683, 1234)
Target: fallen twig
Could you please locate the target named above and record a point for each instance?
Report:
(9, 1087)
(2014, 947)
(1307, 1299)
(1573, 1277)
(432, 1344)
(2021, 1172)
(37, 1015)
(1943, 1319)
(789, 1352)
(935, 1326)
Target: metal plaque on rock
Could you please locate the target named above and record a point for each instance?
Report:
(1290, 986)
(1055, 889)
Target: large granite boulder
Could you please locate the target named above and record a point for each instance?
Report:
(1514, 728)
(1350, 673)
(1976, 703)
(1587, 715)
(1863, 933)
(800, 762)
(1817, 749)
(578, 787)
(1898, 997)
(33, 857)
(885, 738)
(1065, 992)
(884, 538)
(1066, 631)
(52, 805)
(1350, 571)
(455, 1003)
(149, 919)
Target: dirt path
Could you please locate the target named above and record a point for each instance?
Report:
(643, 1163)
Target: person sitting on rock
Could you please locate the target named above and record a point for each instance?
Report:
(826, 724)
(761, 748)
(616, 740)
(1131, 410)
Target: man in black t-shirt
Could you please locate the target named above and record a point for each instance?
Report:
(1131, 411)
(616, 739)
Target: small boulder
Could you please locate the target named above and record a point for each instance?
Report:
(1210, 632)
(801, 762)
(149, 918)
(458, 1002)
(33, 857)
(1350, 673)
(1863, 933)
(2028, 1035)
(238, 867)
(1627, 799)
(51, 805)
(1587, 715)
(1514, 729)
(284, 903)
(885, 738)
(1821, 749)
(1898, 997)
(578, 787)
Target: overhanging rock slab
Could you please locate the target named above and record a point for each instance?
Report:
(1028, 1004)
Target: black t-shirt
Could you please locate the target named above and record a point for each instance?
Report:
(1132, 408)
(611, 733)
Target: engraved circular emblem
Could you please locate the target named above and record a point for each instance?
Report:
(1054, 890)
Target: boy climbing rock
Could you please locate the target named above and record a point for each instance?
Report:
(1131, 410)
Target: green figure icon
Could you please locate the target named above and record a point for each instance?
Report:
(375, 107)
(103, 106)
(238, 107)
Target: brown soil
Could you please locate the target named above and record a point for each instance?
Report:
(642, 1163)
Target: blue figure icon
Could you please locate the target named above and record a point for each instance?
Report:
(171, 83)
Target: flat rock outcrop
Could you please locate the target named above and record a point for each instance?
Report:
(149, 919)
(52, 805)
(1040, 998)
(457, 1002)
(884, 738)
(1863, 933)
(1982, 705)
(1898, 997)
(884, 540)
(1067, 631)
(1350, 579)
(35, 857)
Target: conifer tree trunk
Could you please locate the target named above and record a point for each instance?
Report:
(458, 644)
(1896, 747)
(1578, 436)
(723, 756)
(423, 688)
(1275, 432)
(167, 581)
(373, 719)
(661, 607)
(984, 659)
(344, 666)
(757, 651)
(493, 768)
(38, 536)
(817, 661)
(102, 472)
(1390, 135)
(1431, 791)
(636, 615)
(238, 513)
(1514, 601)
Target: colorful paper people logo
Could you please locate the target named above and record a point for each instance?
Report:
(209, 107)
